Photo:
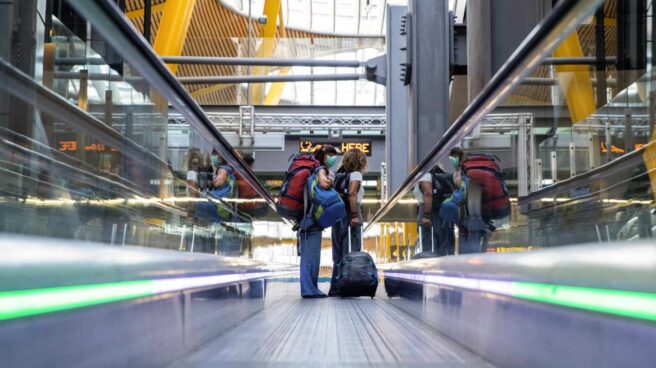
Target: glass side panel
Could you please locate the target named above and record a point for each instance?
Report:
(574, 144)
(89, 151)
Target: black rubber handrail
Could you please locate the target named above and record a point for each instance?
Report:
(576, 181)
(108, 20)
(559, 24)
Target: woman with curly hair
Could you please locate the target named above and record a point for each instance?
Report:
(348, 183)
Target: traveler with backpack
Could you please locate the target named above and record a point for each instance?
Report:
(437, 237)
(307, 198)
(481, 196)
(222, 185)
(250, 202)
(348, 183)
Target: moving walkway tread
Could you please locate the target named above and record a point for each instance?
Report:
(332, 332)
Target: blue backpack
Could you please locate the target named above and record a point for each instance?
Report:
(450, 208)
(326, 206)
(228, 189)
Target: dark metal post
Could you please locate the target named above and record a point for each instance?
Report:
(147, 19)
(600, 56)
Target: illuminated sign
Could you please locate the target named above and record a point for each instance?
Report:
(67, 146)
(72, 146)
(309, 145)
(618, 150)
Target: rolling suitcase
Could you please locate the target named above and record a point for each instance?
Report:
(422, 254)
(356, 273)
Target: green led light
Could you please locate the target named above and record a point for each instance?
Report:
(23, 303)
(624, 303)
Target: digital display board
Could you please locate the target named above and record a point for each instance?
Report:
(308, 145)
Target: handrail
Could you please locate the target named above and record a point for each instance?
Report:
(545, 37)
(573, 181)
(112, 24)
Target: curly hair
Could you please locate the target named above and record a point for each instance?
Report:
(193, 153)
(354, 160)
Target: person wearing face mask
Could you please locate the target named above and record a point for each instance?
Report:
(474, 224)
(310, 232)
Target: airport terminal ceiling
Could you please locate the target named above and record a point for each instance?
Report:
(307, 29)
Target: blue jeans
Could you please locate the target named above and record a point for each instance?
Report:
(310, 258)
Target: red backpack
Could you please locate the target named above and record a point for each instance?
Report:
(251, 205)
(291, 202)
(484, 170)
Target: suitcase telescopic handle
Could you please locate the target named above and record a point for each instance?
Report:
(421, 237)
(432, 238)
(349, 237)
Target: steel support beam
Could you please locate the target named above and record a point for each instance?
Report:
(269, 78)
(581, 60)
(173, 28)
(211, 60)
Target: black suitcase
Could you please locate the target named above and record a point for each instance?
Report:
(357, 274)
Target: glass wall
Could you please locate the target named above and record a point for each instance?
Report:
(88, 152)
(574, 144)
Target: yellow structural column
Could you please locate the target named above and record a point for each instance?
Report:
(575, 81)
(173, 28)
(276, 89)
(268, 35)
(650, 162)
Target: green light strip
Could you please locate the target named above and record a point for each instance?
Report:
(624, 303)
(632, 304)
(23, 303)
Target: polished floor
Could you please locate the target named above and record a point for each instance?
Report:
(332, 332)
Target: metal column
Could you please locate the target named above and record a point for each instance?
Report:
(429, 87)
(396, 155)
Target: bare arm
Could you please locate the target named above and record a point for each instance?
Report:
(220, 178)
(324, 180)
(354, 187)
(427, 191)
(193, 188)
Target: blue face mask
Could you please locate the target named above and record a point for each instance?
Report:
(215, 161)
(454, 161)
(331, 161)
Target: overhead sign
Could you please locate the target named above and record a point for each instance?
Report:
(308, 145)
(619, 150)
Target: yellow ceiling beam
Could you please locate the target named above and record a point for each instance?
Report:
(268, 35)
(575, 81)
(276, 89)
(173, 28)
(139, 13)
(203, 91)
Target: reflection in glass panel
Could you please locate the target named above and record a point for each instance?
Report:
(89, 153)
(575, 147)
